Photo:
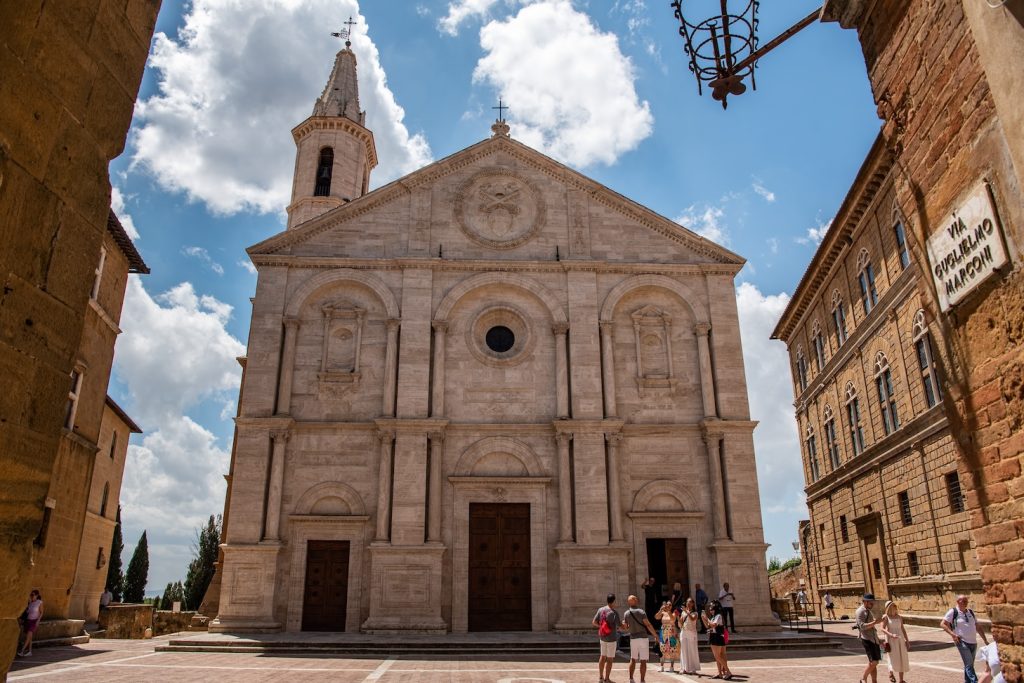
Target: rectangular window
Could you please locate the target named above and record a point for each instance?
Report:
(926, 363)
(956, 496)
(905, 515)
(890, 419)
(839, 320)
(827, 572)
(901, 245)
(849, 571)
(856, 431)
(98, 274)
(801, 371)
(819, 350)
(812, 455)
(868, 292)
(876, 567)
(832, 444)
(113, 443)
(915, 569)
(73, 392)
(843, 530)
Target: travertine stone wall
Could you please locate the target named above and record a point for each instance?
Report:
(71, 73)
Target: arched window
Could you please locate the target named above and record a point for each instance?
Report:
(926, 361)
(853, 419)
(831, 442)
(886, 398)
(324, 169)
(839, 317)
(801, 369)
(866, 278)
(103, 501)
(901, 243)
(812, 454)
(818, 341)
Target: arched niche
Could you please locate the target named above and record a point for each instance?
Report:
(690, 300)
(664, 496)
(499, 456)
(375, 284)
(330, 498)
(538, 290)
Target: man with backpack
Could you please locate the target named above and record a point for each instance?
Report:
(608, 623)
(963, 627)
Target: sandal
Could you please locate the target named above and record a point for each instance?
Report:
(892, 678)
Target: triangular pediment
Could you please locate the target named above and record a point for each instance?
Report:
(495, 190)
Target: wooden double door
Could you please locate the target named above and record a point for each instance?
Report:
(325, 602)
(667, 562)
(499, 593)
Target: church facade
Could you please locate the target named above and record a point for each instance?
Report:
(482, 397)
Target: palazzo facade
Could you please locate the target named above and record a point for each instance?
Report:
(481, 397)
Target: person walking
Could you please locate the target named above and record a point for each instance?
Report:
(607, 622)
(801, 600)
(726, 600)
(715, 624)
(33, 615)
(897, 642)
(702, 604)
(830, 607)
(961, 624)
(638, 625)
(689, 657)
(669, 637)
(866, 623)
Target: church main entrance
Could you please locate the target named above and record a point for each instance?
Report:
(667, 563)
(499, 567)
(326, 596)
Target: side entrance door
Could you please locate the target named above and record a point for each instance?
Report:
(326, 596)
(667, 563)
(499, 567)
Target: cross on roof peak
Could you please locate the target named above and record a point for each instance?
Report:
(501, 110)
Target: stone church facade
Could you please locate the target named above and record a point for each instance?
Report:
(480, 398)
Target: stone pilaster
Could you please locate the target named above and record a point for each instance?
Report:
(284, 387)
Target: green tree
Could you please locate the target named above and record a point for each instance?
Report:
(200, 569)
(138, 573)
(174, 592)
(774, 565)
(115, 576)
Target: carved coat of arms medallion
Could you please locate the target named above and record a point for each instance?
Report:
(499, 209)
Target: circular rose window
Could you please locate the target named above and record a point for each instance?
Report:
(499, 335)
(500, 339)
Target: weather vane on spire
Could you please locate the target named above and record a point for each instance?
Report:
(346, 33)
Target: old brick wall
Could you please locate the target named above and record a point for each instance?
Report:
(71, 72)
(934, 94)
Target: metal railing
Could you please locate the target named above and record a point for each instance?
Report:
(802, 616)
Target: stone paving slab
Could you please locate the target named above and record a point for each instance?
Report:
(933, 660)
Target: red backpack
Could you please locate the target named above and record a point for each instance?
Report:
(604, 629)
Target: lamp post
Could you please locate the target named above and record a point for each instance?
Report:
(723, 48)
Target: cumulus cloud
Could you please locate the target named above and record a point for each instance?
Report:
(816, 233)
(705, 220)
(572, 90)
(763, 191)
(247, 265)
(174, 354)
(203, 257)
(233, 83)
(779, 468)
(118, 205)
(460, 11)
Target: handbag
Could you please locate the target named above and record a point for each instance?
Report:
(725, 635)
(887, 646)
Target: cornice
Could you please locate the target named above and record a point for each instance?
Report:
(514, 482)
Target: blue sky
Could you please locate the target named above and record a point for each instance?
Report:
(599, 84)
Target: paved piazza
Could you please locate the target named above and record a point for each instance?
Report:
(933, 660)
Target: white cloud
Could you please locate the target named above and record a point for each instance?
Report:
(175, 353)
(763, 191)
(235, 81)
(773, 245)
(118, 205)
(706, 221)
(247, 265)
(779, 467)
(815, 234)
(460, 11)
(204, 257)
(571, 90)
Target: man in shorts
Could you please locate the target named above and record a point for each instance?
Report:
(607, 622)
(866, 623)
(639, 648)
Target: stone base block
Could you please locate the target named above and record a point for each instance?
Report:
(405, 589)
(247, 596)
(587, 574)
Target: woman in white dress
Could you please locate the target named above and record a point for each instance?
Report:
(689, 658)
(896, 641)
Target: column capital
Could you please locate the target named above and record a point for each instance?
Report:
(711, 436)
(702, 329)
(280, 435)
(436, 437)
(606, 325)
(385, 435)
(393, 323)
(440, 326)
(560, 328)
(563, 438)
(291, 322)
(613, 438)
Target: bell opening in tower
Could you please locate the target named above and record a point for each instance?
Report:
(323, 173)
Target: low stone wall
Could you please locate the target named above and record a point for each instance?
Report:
(165, 621)
(126, 621)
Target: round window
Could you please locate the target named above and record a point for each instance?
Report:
(500, 339)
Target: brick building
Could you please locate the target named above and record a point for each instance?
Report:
(887, 514)
(944, 77)
(71, 72)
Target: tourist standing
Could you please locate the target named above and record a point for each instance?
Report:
(669, 638)
(33, 615)
(896, 640)
(702, 603)
(801, 599)
(607, 622)
(830, 607)
(689, 657)
(639, 626)
(652, 596)
(961, 624)
(726, 600)
(715, 624)
(866, 623)
(677, 596)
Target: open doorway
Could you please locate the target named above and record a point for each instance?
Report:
(667, 563)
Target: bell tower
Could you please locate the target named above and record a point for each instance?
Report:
(335, 151)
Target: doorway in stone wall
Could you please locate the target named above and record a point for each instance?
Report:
(499, 567)
(325, 600)
(667, 563)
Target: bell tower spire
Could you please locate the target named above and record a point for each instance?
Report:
(335, 151)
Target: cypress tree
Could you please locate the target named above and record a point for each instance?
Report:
(138, 572)
(115, 577)
(201, 568)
